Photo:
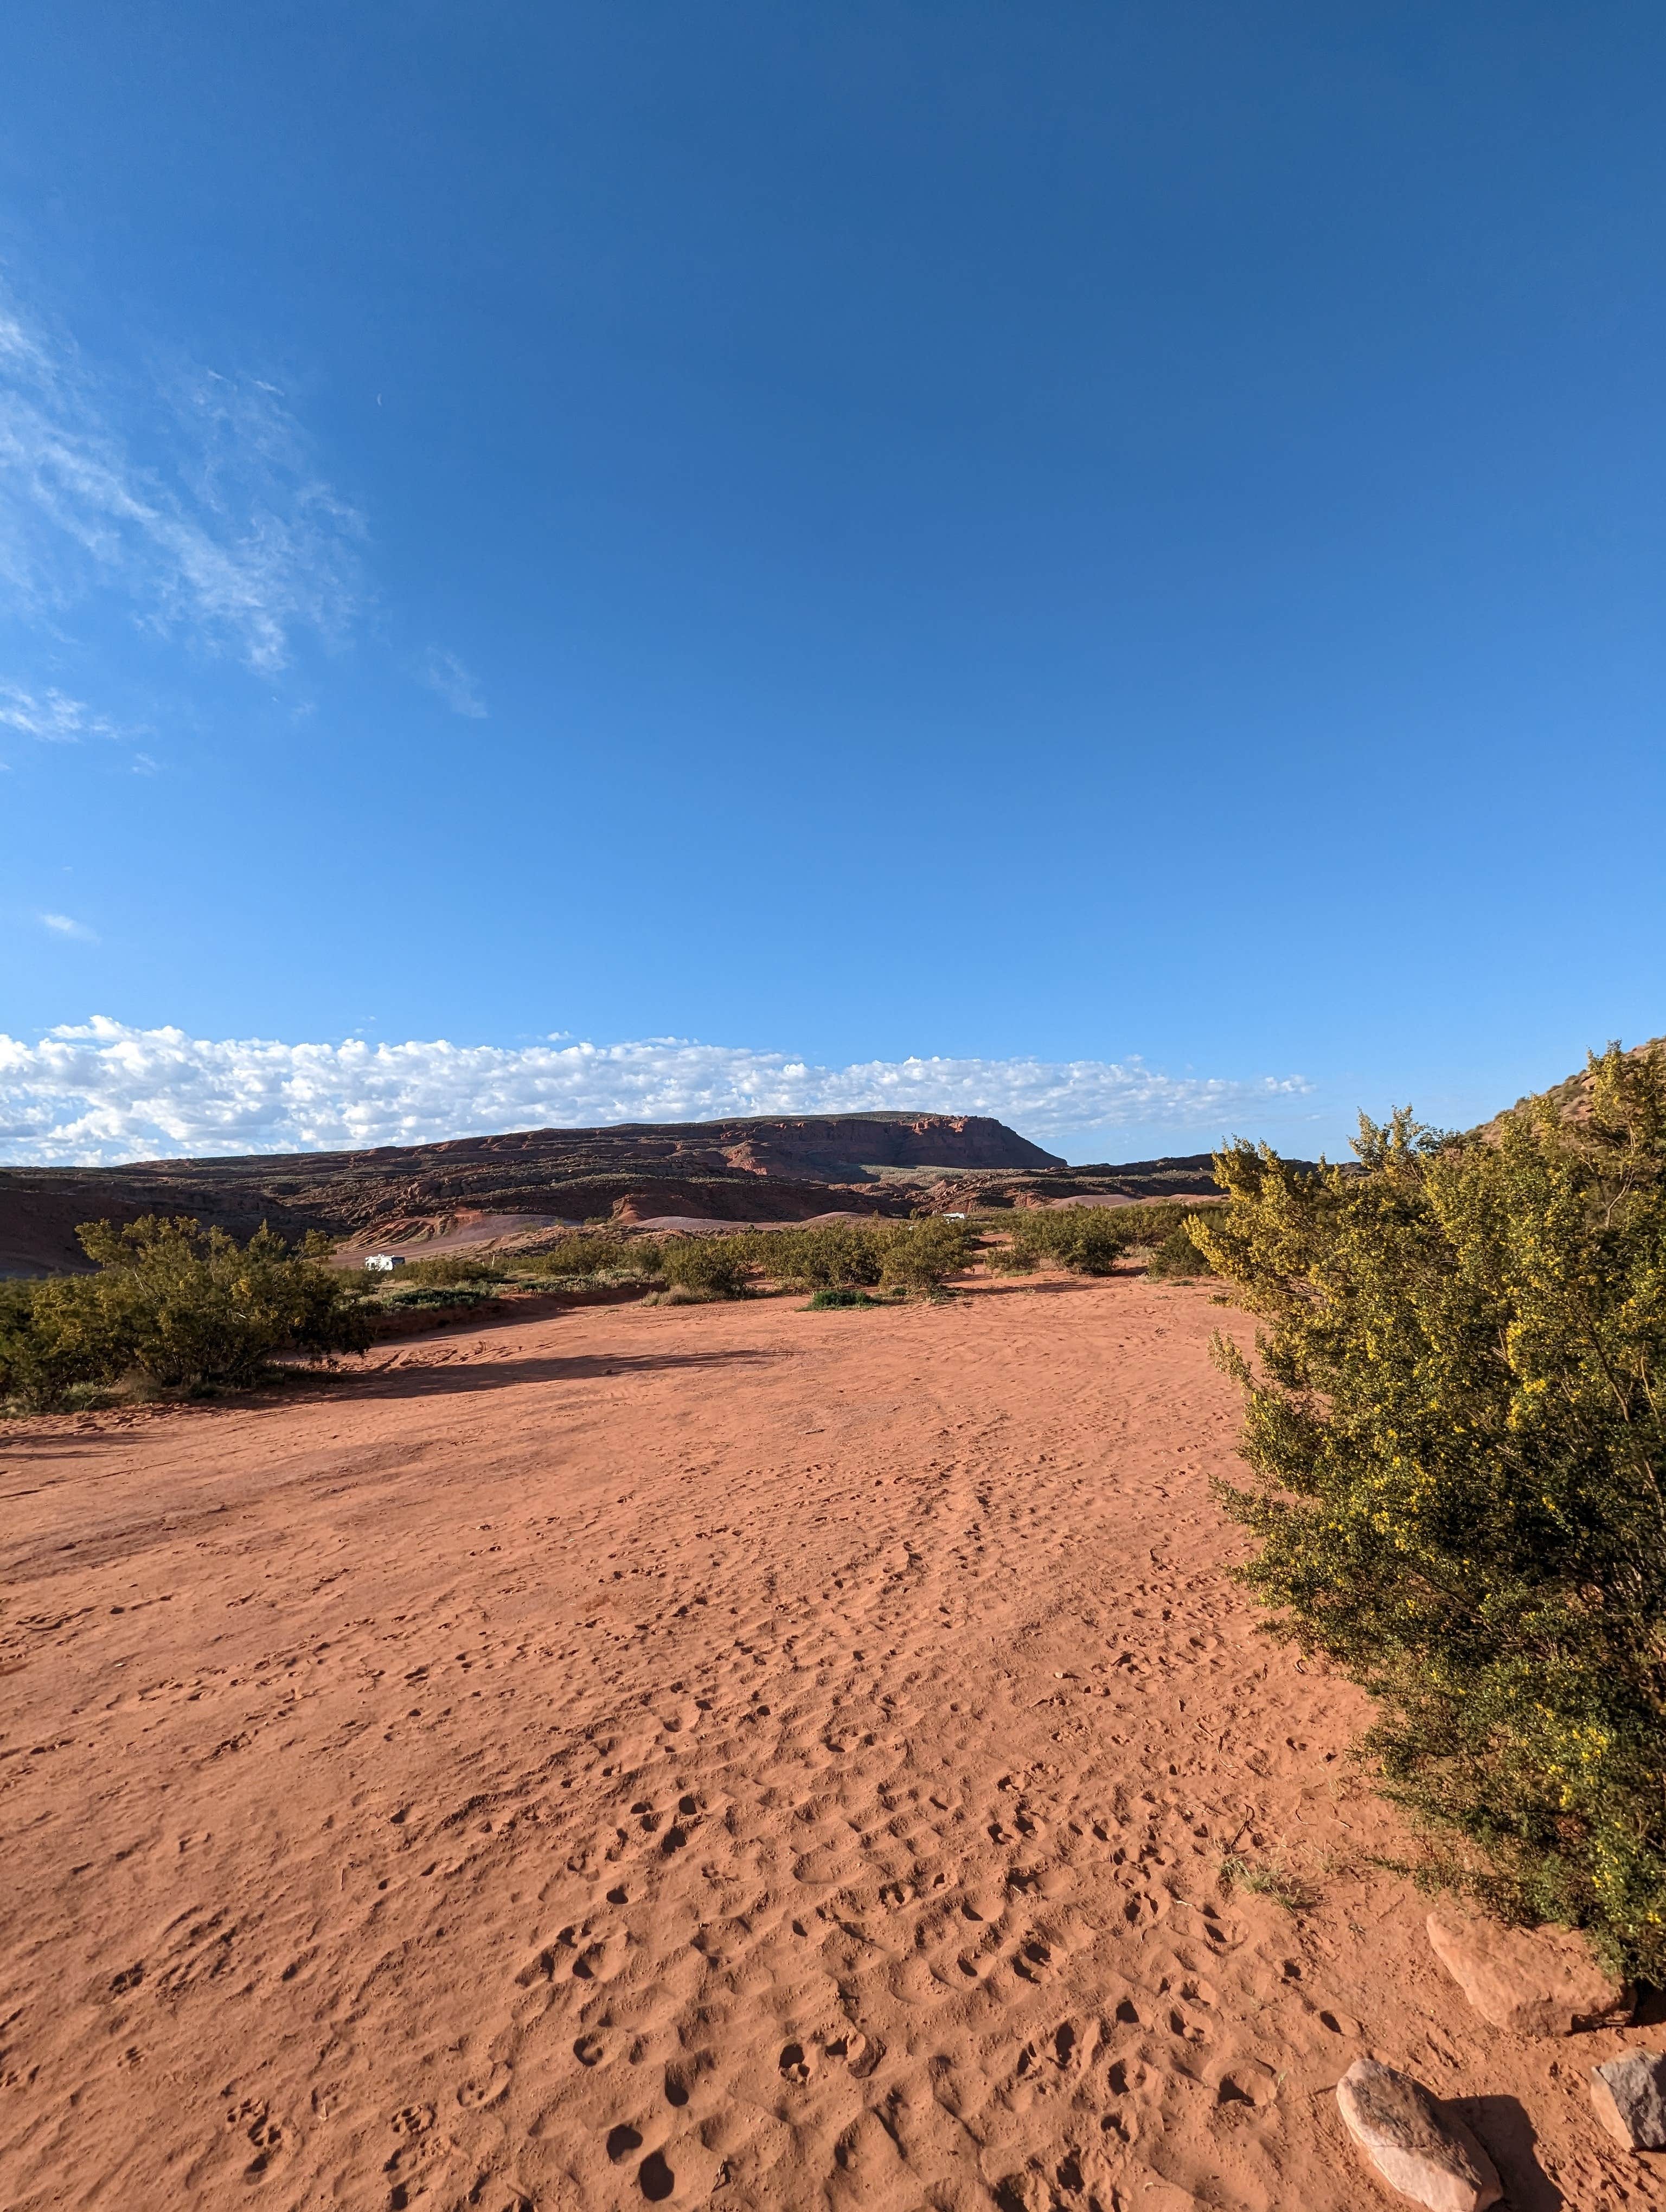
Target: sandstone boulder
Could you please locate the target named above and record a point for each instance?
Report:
(1425, 2154)
(1534, 1981)
(1628, 2095)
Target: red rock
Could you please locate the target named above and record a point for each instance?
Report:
(1425, 2154)
(1533, 1981)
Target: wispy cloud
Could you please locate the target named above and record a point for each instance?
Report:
(197, 498)
(104, 1091)
(65, 925)
(51, 716)
(445, 673)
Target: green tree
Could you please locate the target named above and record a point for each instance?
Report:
(1454, 1431)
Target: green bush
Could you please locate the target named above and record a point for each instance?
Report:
(1014, 1259)
(446, 1267)
(57, 1337)
(1457, 1435)
(839, 1296)
(588, 1255)
(403, 1297)
(1179, 1255)
(716, 1267)
(17, 1317)
(920, 1256)
(1095, 1240)
(834, 1256)
(178, 1307)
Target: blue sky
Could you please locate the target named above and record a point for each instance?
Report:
(1113, 551)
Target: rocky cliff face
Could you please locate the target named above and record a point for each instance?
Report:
(780, 1168)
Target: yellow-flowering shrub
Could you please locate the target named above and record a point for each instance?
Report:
(1456, 1430)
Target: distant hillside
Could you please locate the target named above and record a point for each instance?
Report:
(1573, 1094)
(770, 1168)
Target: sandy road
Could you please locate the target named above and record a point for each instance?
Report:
(719, 1754)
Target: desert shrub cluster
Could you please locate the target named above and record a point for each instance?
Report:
(706, 1266)
(1178, 1255)
(587, 1257)
(172, 1307)
(913, 1257)
(449, 1271)
(576, 1263)
(903, 1257)
(919, 1256)
(833, 1255)
(1095, 1240)
(1455, 1428)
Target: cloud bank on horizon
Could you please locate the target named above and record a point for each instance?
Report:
(100, 1093)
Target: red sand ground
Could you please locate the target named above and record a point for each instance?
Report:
(723, 1755)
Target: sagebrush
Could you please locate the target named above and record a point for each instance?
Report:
(1454, 1427)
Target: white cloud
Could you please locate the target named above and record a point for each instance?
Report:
(223, 531)
(51, 716)
(65, 925)
(104, 1091)
(445, 673)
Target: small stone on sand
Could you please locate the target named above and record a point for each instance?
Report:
(1425, 2154)
(1628, 2095)
(1533, 1981)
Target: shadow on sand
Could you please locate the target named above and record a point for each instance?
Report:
(1504, 2127)
(454, 1378)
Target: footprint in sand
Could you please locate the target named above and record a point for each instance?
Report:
(485, 2088)
(857, 2051)
(600, 1961)
(1034, 1958)
(252, 2118)
(655, 2178)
